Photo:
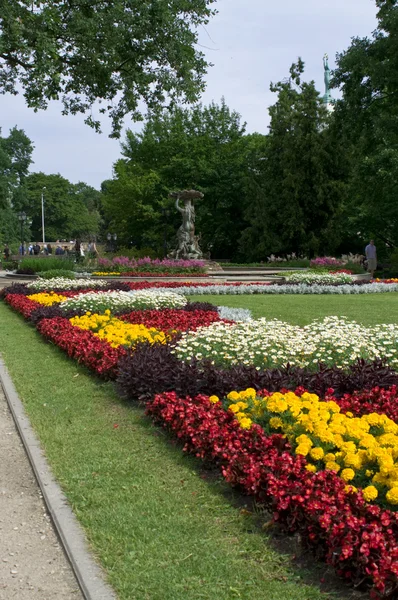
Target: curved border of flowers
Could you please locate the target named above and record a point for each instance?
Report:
(358, 539)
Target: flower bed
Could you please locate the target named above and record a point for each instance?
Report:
(300, 455)
(148, 274)
(356, 287)
(310, 278)
(148, 267)
(268, 344)
(99, 302)
(358, 539)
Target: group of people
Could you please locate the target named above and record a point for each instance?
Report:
(78, 250)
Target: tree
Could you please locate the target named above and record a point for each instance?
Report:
(122, 53)
(298, 183)
(203, 148)
(66, 214)
(15, 159)
(368, 115)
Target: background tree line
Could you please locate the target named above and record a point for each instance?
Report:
(318, 182)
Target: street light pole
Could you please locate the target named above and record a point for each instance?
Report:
(22, 218)
(42, 214)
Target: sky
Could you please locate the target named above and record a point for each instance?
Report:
(251, 44)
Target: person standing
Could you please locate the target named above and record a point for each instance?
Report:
(6, 252)
(371, 257)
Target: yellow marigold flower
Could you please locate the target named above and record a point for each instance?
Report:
(373, 419)
(234, 408)
(347, 474)
(233, 396)
(369, 473)
(276, 403)
(248, 394)
(370, 493)
(350, 489)
(332, 466)
(47, 299)
(329, 457)
(245, 423)
(352, 460)
(276, 423)
(311, 468)
(349, 414)
(304, 439)
(392, 496)
(333, 406)
(214, 399)
(317, 453)
(302, 449)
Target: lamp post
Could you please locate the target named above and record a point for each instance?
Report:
(42, 214)
(111, 237)
(22, 219)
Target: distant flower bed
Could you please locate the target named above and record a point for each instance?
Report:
(287, 288)
(326, 261)
(147, 265)
(320, 278)
(153, 273)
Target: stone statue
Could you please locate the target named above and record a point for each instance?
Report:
(187, 241)
(327, 99)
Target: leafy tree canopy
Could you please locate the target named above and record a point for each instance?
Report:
(120, 53)
(368, 114)
(66, 214)
(298, 181)
(203, 148)
(15, 158)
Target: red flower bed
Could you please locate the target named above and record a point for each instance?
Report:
(22, 304)
(170, 319)
(378, 400)
(357, 539)
(83, 346)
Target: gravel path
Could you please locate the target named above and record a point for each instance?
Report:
(32, 563)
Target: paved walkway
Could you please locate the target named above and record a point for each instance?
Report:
(32, 563)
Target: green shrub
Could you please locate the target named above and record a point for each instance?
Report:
(9, 265)
(49, 263)
(53, 273)
(129, 252)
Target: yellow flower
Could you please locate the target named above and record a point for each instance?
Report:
(233, 396)
(350, 489)
(117, 332)
(47, 299)
(332, 466)
(317, 453)
(347, 474)
(245, 423)
(214, 399)
(329, 457)
(302, 449)
(370, 493)
(352, 460)
(275, 423)
(311, 468)
(392, 496)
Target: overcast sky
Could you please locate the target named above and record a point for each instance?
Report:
(250, 42)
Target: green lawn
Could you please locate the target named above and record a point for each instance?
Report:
(368, 309)
(162, 528)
